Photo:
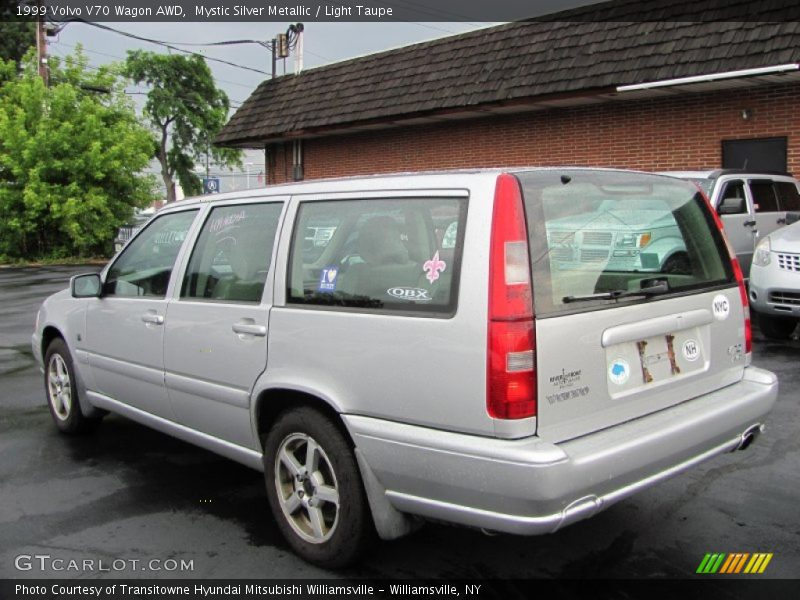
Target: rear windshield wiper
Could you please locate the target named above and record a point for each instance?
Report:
(652, 290)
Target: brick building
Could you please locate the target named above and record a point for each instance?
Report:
(673, 94)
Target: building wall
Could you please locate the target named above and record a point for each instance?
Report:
(683, 132)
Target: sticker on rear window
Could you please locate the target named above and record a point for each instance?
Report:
(408, 293)
(619, 371)
(327, 279)
(721, 307)
(433, 267)
(691, 350)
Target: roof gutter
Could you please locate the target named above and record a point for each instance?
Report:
(712, 77)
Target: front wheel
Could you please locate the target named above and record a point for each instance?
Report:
(315, 490)
(776, 328)
(62, 392)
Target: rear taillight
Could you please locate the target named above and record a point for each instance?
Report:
(737, 272)
(511, 356)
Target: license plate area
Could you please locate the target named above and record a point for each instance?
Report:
(653, 361)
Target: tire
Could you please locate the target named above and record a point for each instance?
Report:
(318, 501)
(776, 328)
(62, 393)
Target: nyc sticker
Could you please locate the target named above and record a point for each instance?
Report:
(433, 267)
(327, 279)
(721, 307)
(619, 371)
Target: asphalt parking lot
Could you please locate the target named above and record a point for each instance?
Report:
(131, 494)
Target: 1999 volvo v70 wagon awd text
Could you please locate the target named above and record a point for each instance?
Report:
(503, 350)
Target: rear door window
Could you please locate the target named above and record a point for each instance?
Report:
(595, 233)
(231, 258)
(398, 254)
(788, 195)
(764, 198)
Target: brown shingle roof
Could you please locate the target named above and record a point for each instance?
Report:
(504, 64)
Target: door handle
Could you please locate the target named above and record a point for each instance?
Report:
(151, 317)
(749, 223)
(249, 327)
(781, 221)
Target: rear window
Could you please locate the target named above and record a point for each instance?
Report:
(398, 255)
(595, 233)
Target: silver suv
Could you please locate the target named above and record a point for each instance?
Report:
(751, 204)
(775, 282)
(428, 356)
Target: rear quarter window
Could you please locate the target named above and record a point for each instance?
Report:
(595, 232)
(399, 255)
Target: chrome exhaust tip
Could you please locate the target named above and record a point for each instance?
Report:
(749, 436)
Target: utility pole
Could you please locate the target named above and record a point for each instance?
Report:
(274, 58)
(41, 45)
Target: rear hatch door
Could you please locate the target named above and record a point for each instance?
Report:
(637, 306)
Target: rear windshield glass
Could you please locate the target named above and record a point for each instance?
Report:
(607, 233)
(704, 184)
(398, 254)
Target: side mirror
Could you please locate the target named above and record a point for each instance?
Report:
(88, 285)
(732, 206)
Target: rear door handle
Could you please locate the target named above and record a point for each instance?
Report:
(154, 318)
(749, 223)
(249, 327)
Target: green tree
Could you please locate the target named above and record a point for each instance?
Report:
(71, 158)
(16, 35)
(187, 110)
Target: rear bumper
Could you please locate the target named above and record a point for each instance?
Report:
(531, 486)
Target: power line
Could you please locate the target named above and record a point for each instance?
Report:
(233, 103)
(244, 85)
(225, 43)
(164, 44)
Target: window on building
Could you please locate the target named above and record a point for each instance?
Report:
(759, 154)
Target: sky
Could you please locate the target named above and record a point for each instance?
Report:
(324, 43)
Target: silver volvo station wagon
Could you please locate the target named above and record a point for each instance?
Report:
(422, 346)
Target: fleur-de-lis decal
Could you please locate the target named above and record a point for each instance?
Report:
(433, 267)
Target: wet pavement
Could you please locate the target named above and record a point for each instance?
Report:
(127, 494)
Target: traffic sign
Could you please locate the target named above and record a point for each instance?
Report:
(210, 185)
